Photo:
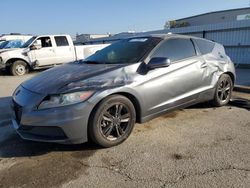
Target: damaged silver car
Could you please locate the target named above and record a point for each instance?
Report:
(133, 80)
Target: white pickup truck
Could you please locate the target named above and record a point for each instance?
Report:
(43, 52)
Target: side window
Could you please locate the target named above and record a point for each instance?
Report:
(44, 41)
(176, 49)
(205, 46)
(61, 41)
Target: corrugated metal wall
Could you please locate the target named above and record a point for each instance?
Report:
(239, 55)
(235, 36)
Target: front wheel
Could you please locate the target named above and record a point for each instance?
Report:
(19, 68)
(223, 91)
(112, 121)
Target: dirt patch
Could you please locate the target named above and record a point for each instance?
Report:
(178, 156)
(111, 162)
(82, 154)
(144, 127)
(170, 115)
(108, 161)
(208, 145)
(226, 138)
(52, 170)
(216, 142)
(247, 125)
(151, 125)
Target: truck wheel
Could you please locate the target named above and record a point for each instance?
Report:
(19, 68)
(112, 121)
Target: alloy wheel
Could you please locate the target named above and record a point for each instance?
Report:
(115, 121)
(224, 90)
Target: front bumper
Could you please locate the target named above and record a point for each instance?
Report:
(66, 125)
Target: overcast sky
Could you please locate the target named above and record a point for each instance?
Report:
(100, 16)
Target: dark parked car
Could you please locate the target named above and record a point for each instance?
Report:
(133, 80)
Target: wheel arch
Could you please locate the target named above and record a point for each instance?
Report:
(135, 103)
(12, 60)
(129, 96)
(231, 76)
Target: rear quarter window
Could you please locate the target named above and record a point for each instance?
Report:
(204, 46)
(61, 41)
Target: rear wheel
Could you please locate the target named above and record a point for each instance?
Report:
(19, 68)
(112, 121)
(223, 91)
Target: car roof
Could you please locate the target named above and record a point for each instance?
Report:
(170, 35)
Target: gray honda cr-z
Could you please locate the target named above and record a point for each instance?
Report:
(132, 80)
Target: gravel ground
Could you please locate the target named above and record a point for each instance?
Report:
(200, 146)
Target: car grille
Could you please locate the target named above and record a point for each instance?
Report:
(18, 111)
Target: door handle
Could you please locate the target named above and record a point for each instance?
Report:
(204, 65)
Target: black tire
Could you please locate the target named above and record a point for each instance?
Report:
(19, 68)
(223, 91)
(112, 121)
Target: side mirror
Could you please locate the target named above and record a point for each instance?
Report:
(35, 46)
(158, 62)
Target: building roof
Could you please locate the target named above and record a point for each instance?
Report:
(229, 10)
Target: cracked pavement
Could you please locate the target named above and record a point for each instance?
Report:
(200, 146)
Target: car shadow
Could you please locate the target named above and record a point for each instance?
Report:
(14, 146)
(11, 145)
(3, 73)
(201, 106)
(236, 102)
(240, 102)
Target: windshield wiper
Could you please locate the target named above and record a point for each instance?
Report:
(93, 62)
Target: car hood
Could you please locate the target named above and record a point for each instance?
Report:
(8, 49)
(12, 51)
(68, 77)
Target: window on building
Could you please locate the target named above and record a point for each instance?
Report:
(176, 49)
(205, 46)
(61, 41)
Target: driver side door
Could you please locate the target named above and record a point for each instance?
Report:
(44, 56)
(179, 84)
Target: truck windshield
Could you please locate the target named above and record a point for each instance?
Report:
(3, 44)
(125, 51)
(26, 44)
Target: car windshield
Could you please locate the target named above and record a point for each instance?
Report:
(125, 51)
(3, 44)
(26, 44)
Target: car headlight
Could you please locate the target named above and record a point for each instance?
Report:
(64, 99)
